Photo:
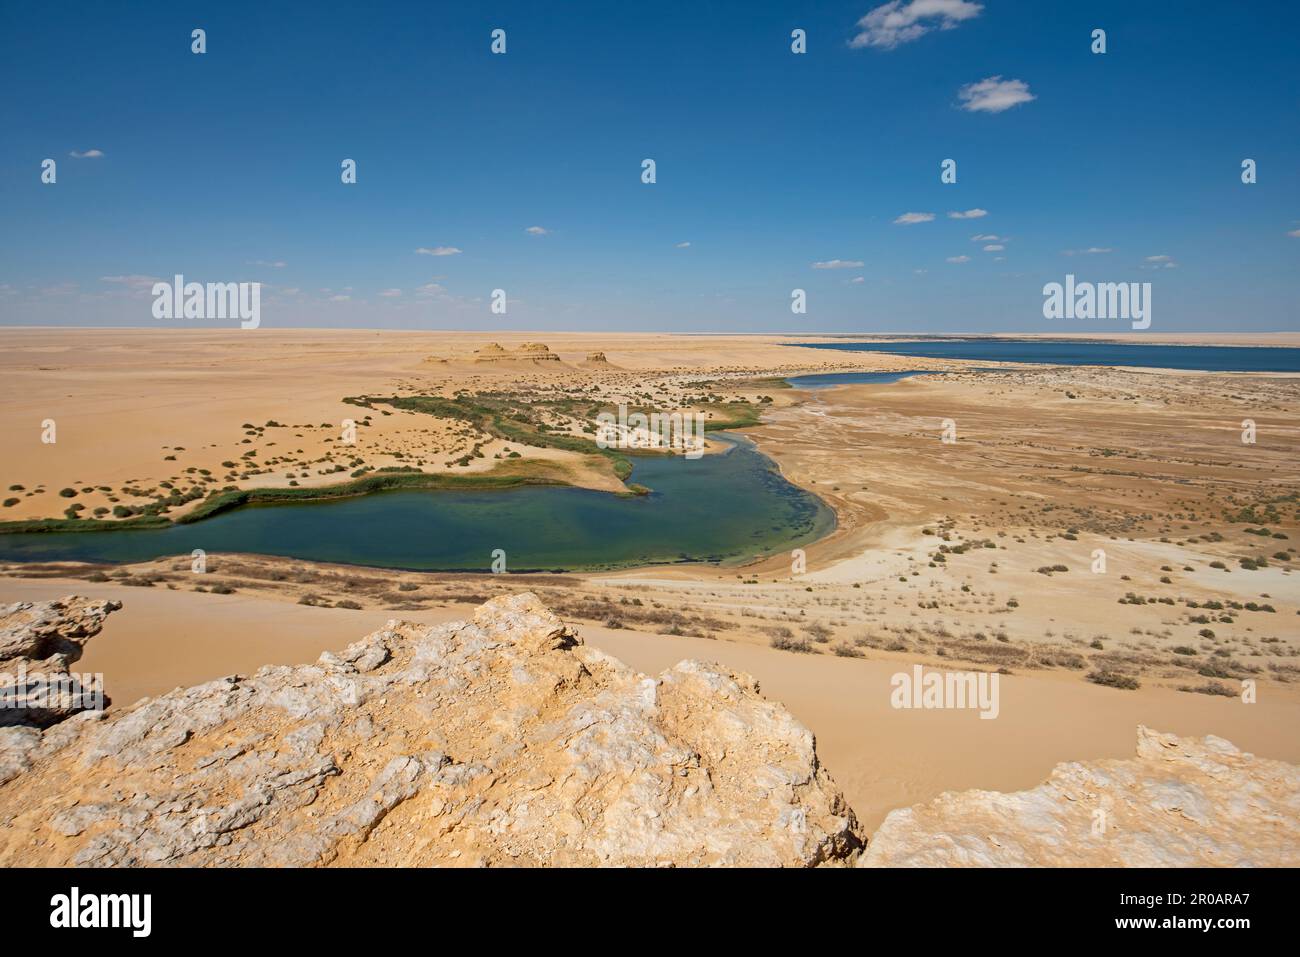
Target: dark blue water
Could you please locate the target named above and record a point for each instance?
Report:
(717, 508)
(1058, 352)
(824, 380)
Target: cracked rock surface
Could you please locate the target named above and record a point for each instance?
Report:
(500, 741)
(38, 641)
(1182, 802)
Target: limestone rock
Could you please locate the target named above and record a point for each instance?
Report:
(529, 354)
(38, 641)
(598, 360)
(1182, 802)
(501, 741)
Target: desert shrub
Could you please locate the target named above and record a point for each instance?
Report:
(818, 632)
(1211, 688)
(1113, 679)
(791, 644)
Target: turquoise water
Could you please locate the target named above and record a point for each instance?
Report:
(1059, 352)
(718, 508)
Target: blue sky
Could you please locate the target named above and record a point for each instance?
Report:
(225, 166)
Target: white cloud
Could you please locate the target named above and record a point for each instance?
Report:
(1294, 234)
(683, 245)
(838, 264)
(968, 214)
(1160, 259)
(390, 293)
(958, 259)
(994, 94)
(897, 22)
(908, 219)
(987, 238)
(339, 298)
(290, 290)
(994, 248)
(438, 251)
(274, 264)
(88, 154)
(857, 279)
(430, 289)
(1090, 251)
(537, 231)
(133, 281)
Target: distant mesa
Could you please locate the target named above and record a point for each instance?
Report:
(534, 354)
(531, 353)
(528, 355)
(537, 350)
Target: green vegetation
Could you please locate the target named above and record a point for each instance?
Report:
(81, 524)
(524, 421)
(508, 418)
(377, 482)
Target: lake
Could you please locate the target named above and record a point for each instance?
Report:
(724, 507)
(824, 380)
(1074, 353)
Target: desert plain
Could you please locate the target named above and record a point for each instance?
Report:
(980, 553)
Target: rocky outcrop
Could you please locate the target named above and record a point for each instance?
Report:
(537, 350)
(503, 740)
(506, 741)
(38, 641)
(529, 353)
(1182, 802)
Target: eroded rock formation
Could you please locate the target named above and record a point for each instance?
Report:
(1182, 802)
(531, 353)
(38, 641)
(506, 741)
(499, 741)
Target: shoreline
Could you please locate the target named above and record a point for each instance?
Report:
(726, 441)
(947, 553)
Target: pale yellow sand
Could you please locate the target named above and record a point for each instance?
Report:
(883, 758)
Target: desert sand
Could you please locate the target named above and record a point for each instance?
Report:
(972, 555)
